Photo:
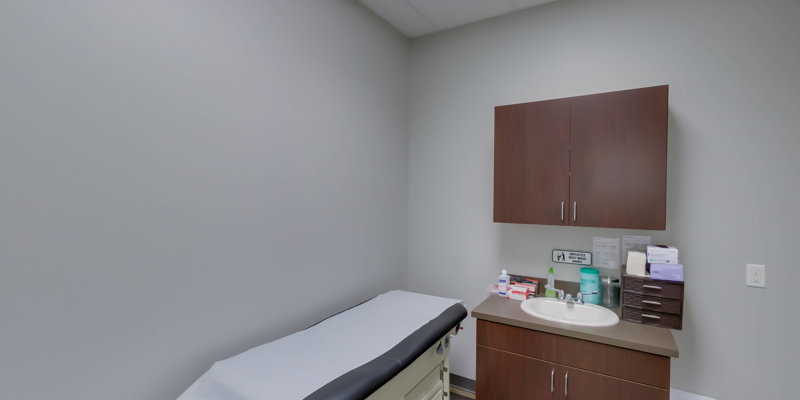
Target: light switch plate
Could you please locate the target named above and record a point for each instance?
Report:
(756, 275)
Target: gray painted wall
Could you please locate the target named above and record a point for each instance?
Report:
(732, 67)
(183, 180)
(166, 187)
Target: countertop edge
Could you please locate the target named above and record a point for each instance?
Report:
(582, 333)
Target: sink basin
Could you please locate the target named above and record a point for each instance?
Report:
(574, 314)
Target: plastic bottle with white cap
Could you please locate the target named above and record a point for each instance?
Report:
(502, 283)
(551, 282)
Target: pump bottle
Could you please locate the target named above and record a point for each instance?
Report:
(502, 283)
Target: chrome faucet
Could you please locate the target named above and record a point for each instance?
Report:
(578, 299)
(559, 291)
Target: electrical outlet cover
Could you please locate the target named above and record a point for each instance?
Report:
(756, 275)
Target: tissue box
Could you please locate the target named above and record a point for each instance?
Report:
(667, 272)
(659, 254)
(636, 263)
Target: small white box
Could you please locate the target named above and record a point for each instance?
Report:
(636, 263)
(659, 254)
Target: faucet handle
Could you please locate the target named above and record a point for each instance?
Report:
(579, 296)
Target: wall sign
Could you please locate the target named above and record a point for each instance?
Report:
(572, 257)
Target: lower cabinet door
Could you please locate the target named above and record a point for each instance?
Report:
(579, 384)
(505, 376)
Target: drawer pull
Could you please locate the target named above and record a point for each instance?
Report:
(655, 303)
(566, 382)
(652, 287)
(650, 316)
(552, 374)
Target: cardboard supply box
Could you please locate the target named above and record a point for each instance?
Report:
(667, 272)
(659, 254)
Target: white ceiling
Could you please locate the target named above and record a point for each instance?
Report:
(421, 17)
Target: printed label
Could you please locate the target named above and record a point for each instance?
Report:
(572, 257)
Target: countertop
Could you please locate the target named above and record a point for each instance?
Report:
(629, 335)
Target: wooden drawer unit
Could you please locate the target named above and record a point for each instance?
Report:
(649, 287)
(656, 318)
(652, 302)
(670, 306)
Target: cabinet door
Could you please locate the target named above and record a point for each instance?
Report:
(580, 384)
(619, 159)
(502, 376)
(531, 163)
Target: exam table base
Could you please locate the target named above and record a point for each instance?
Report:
(427, 378)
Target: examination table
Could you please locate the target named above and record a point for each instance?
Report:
(394, 346)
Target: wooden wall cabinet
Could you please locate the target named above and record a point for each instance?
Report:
(598, 160)
(518, 363)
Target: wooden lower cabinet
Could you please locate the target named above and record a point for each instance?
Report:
(581, 384)
(508, 368)
(503, 375)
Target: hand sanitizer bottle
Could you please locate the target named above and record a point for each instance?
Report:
(502, 283)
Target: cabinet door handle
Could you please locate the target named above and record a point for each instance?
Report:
(650, 316)
(574, 211)
(552, 374)
(562, 211)
(566, 382)
(651, 302)
(652, 287)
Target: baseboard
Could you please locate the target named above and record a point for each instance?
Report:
(464, 384)
(675, 394)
